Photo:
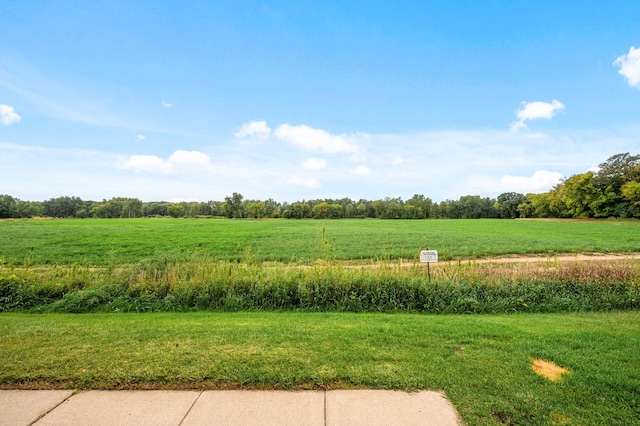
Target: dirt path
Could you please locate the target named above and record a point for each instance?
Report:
(519, 259)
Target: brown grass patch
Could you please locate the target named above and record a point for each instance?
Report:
(548, 369)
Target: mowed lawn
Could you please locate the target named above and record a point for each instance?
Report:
(482, 362)
(125, 241)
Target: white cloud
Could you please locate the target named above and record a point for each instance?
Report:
(541, 181)
(145, 163)
(534, 111)
(155, 164)
(361, 171)
(314, 164)
(141, 137)
(194, 158)
(315, 140)
(8, 115)
(630, 66)
(254, 129)
(303, 181)
(441, 165)
(166, 104)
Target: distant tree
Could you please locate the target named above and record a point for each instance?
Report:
(631, 191)
(28, 209)
(335, 211)
(233, 206)
(548, 204)
(424, 204)
(297, 210)
(476, 207)
(256, 209)
(321, 210)
(155, 209)
(8, 206)
(62, 206)
(579, 194)
(175, 210)
(507, 204)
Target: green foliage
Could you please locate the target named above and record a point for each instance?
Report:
(631, 191)
(507, 204)
(8, 206)
(175, 211)
(609, 192)
(173, 282)
(233, 206)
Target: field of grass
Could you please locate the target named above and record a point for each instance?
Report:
(100, 242)
(482, 362)
(308, 274)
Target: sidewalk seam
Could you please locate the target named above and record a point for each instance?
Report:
(74, 392)
(325, 408)
(190, 408)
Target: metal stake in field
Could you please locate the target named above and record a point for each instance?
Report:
(428, 256)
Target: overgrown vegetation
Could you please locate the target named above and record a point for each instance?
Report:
(170, 283)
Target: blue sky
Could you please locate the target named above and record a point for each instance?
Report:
(292, 100)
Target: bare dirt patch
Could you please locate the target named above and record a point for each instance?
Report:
(548, 369)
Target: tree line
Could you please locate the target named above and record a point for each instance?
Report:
(611, 191)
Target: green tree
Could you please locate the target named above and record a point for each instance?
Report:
(64, 206)
(321, 210)
(256, 209)
(27, 209)
(611, 176)
(175, 210)
(335, 211)
(233, 206)
(507, 204)
(8, 206)
(631, 191)
(578, 194)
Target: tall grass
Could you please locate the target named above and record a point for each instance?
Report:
(201, 283)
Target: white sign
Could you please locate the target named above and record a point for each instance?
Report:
(428, 256)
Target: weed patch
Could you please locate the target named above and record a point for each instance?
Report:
(202, 283)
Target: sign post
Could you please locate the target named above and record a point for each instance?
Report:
(428, 256)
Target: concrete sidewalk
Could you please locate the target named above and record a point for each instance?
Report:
(191, 408)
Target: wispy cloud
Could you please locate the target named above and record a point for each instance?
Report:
(314, 164)
(8, 115)
(629, 64)
(155, 164)
(540, 181)
(253, 129)
(534, 111)
(63, 101)
(361, 171)
(439, 164)
(145, 163)
(193, 158)
(166, 104)
(315, 140)
(306, 182)
(141, 137)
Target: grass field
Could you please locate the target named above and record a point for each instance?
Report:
(303, 273)
(100, 242)
(482, 362)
